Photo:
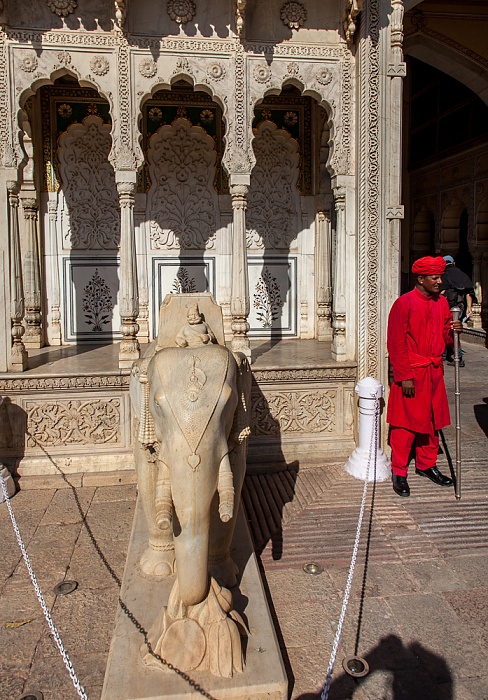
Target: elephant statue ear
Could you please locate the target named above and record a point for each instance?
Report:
(147, 435)
(241, 427)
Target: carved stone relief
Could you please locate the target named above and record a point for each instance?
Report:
(293, 14)
(273, 203)
(62, 8)
(182, 201)
(280, 412)
(181, 11)
(64, 422)
(89, 186)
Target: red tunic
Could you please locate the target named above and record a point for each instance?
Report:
(418, 331)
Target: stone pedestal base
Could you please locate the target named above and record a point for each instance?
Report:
(126, 676)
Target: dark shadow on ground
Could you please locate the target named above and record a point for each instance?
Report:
(416, 673)
(481, 415)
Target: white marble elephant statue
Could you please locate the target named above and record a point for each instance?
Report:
(191, 402)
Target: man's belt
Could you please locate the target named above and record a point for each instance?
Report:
(419, 361)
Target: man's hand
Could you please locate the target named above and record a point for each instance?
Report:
(408, 388)
(457, 326)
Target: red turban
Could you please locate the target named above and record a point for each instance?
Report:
(429, 266)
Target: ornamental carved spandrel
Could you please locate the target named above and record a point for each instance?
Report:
(182, 201)
(281, 412)
(273, 203)
(89, 186)
(60, 423)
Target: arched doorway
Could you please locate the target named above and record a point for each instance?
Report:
(183, 212)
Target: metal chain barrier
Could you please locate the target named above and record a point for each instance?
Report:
(347, 591)
(67, 662)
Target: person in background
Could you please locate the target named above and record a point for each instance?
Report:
(459, 291)
(419, 327)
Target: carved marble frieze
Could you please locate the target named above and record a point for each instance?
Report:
(273, 201)
(22, 384)
(77, 422)
(289, 412)
(88, 185)
(182, 201)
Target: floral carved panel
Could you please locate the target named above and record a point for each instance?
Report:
(280, 412)
(75, 422)
(88, 185)
(182, 201)
(272, 217)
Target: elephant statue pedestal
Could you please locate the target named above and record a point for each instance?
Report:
(128, 678)
(191, 579)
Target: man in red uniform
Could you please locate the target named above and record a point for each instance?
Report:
(419, 327)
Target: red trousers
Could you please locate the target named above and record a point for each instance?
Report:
(426, 448)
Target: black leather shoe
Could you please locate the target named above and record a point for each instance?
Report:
(434, 475)
(400, 485)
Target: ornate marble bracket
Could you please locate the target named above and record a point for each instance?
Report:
(18, 361)
(240, 16)
(120, 13)
(352, 8)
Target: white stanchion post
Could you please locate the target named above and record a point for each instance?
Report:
(9, 484)
(369, 390)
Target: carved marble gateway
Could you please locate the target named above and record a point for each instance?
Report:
(182, 201)
(88, 184)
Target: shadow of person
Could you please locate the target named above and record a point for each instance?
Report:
(414, 672)
(13, 427)
(481, 415)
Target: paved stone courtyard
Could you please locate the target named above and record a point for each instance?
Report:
(419, 606)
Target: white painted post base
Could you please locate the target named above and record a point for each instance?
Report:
(9, 484)
(368, 390)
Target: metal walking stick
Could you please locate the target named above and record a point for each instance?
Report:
(456, 312)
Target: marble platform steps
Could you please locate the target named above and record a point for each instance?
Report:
(69, 414)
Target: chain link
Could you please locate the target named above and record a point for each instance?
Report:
(47, 614)
(347, 591)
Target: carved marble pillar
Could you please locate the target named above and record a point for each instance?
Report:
(129, 297)
(339, 295)
(143, 285)
(18, 356)
(239, 303)
(476, 321)
(32, 277)
(225, 276)
(55, 297)
(322, 275)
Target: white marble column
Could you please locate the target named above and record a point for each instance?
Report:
(18, 355)
(129, 297)
(55, 296)
(32, 277)
(339, 352)
(225, 267)
(239, 303)
(322, 275)
(143, 285)
(476, 321)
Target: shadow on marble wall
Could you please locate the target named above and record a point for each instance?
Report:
(13, 430)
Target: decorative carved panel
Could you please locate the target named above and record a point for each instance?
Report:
(59, 422)
(311, 412)
(182, 201)
(273, 203)
(89, 186)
